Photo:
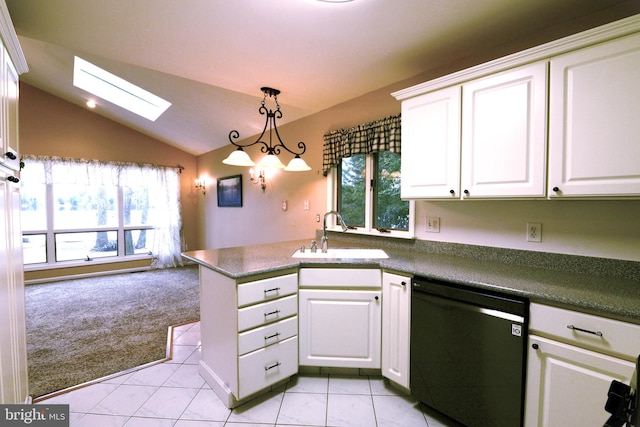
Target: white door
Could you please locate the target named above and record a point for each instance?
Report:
(567, 385)
(340, 328)
(594, 130)
(504, 134)
(431, 145)
(396, 316)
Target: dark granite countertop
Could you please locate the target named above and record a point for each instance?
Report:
(608, 295)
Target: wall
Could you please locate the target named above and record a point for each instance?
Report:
(50, 126)
(606, 229)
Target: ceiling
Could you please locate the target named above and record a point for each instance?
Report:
(210, 58)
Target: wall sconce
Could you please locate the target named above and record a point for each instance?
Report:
(240, 158)
(201, 184)
(261, 179)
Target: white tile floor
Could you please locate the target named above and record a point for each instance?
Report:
(173, 394)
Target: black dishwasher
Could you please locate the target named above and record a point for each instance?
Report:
(468, 352)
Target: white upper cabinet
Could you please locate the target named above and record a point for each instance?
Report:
(504, 134)
(431, 145)
(594, 126)
(557, 120)
(10, 114)
(490, 144)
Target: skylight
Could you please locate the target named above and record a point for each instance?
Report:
(116, 90)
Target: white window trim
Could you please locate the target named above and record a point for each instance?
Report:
(368, 230)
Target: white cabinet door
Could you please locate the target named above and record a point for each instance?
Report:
(567, 385)
(340, 328)
(504, 134)
(9, 114)
(594, 131)
(396, 316)
(13, 335)
(431, 145)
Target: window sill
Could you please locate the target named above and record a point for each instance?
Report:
(83, 263)
(364, 232)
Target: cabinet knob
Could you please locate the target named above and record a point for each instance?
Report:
(13, 179)
(377, 298)
(10, 155)
(403, 283)
(452, 192)
(535, 346)
(556, 189)
(466, 192)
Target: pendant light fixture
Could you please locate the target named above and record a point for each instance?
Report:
(240, 158)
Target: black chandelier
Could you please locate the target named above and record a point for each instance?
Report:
(240, 158)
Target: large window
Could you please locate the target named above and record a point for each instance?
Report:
(82, 210)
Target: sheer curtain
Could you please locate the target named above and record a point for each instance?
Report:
(163, 184)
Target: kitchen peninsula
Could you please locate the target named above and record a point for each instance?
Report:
(249, 297)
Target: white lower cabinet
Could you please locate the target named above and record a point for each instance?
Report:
(267, 365)
(248, 332)
(572, 359)
(567, 385)
(396, 318)
(340, 326)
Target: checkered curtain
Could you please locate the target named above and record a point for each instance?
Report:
(379, 135)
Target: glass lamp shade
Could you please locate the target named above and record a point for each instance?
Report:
(270, 161)
(238, 158)
(297, 165)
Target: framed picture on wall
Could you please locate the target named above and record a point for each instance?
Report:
(230, 192)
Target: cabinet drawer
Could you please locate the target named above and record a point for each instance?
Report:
(266, 335)
(267, 289)
(267, 312)
(341, 277)
(267, 366)
(585, 330)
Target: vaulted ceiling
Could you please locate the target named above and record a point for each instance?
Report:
(210, 58)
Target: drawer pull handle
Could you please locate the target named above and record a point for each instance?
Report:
(271, 313)
(277, 334)
(271, 290)
(266, 368)
(573, 328)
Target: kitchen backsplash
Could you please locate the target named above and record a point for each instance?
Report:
(552, 261)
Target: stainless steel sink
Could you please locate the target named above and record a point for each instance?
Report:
(349, 253)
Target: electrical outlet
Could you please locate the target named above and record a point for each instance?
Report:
(534, 232)
(433, 224)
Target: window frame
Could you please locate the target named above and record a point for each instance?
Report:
(50, 237)
(333, 193)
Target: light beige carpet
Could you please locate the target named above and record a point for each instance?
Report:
(83, 329)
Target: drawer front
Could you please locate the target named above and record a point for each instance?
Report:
(266, 335)
(267, 289)
(585, 330)
(340, 277)
(267, 366)
(267, 312)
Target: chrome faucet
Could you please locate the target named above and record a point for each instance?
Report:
(324, 244)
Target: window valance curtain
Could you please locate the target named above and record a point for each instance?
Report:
(379, 135)
(162, 181)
